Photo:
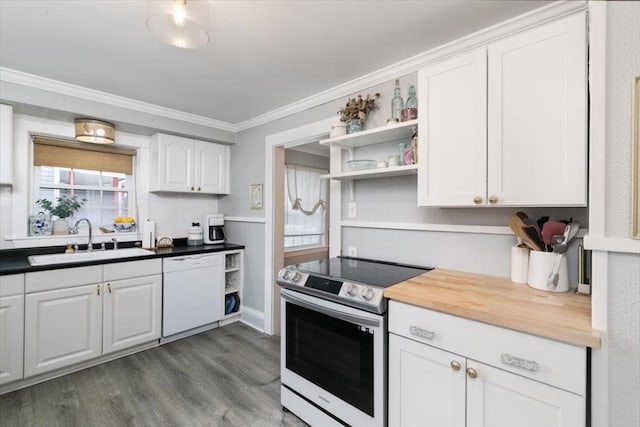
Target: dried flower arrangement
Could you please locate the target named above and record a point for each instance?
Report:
(358, 108)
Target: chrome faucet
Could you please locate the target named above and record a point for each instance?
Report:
(75, 230)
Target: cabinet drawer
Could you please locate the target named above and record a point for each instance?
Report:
(63, 278)
(541, 359)
(12, 284)
(127, 270)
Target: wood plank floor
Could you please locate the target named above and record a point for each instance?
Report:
(228, 376)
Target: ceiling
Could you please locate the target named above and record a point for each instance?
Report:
(262, 55)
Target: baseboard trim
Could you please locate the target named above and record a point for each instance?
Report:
(253, 318)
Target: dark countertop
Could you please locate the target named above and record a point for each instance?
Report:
(14, 261)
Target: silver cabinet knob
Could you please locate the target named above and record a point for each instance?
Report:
(455, 365)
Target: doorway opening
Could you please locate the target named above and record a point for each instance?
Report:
(296, 144)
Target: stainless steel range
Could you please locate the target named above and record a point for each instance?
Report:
(334, 334)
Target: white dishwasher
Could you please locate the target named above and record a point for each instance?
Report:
(193, 292)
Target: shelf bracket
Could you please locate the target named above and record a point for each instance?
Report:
(347, 149)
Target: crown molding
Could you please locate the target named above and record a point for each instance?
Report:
(393, 71)
(31, 80)
(412, 64)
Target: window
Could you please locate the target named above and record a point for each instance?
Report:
(106, 193)
(305, 207)
(101, 175)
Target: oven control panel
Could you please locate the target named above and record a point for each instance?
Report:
(363, 293)
(359, 293)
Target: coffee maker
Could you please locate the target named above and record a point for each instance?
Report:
(213, 229)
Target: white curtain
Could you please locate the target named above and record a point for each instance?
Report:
(307, 192)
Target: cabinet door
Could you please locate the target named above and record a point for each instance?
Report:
(62, 327)
(500, 398)
(6, 144)
(11, 338)
(537, 143)
(132, 312)
(211, 170)
(452, 123)
(424, 389)
(176, 168)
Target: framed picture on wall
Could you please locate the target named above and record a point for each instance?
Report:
(255, 196)
(635, 195)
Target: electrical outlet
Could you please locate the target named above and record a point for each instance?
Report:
(351, 207)
(352, 251)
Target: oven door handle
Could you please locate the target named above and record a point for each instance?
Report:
(329, 311)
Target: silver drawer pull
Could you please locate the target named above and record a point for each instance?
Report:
(423, 333)
(529, 365)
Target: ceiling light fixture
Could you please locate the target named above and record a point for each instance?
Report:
(179, 23)
(95, 131)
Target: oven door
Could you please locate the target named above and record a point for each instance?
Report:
(334, 356)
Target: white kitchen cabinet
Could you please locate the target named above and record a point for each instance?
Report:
(188, 166)
(448, 371)
(11, 327)
(132, 312)
(11, 338)
(499, 398)
(6, 144)
(424, 390)
(452, 143)
(62, 327)
(73, 315)
(531, 108)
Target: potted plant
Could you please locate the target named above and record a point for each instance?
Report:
(64, 208)
(355, 111)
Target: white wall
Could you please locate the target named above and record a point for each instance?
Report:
(623, 335)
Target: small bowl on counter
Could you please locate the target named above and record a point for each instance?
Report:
(124, 227)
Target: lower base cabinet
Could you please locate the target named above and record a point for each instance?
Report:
(11, 337)
(80, 321)
(132, 312)
(448, 371)
(62, 327)
(432, 387)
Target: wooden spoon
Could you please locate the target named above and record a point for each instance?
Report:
(528, 234)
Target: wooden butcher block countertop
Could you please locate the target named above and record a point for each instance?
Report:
(563, 317)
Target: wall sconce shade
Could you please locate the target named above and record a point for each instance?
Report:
(95, 131)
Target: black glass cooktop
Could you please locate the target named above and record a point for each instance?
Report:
(365, 271)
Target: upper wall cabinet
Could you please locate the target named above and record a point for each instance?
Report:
(188, 166)
(6, 144)
(506, 125)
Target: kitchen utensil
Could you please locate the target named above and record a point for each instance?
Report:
(575, 227)
(560, 249)
(526, 233)
(552, 280)
(542, 221)
(550, 229)
(533, 223)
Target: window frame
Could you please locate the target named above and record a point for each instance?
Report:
(130, 189)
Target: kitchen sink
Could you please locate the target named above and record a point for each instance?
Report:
(49, 259)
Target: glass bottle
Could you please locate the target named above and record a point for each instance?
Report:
(397, 103)
(410, 110)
